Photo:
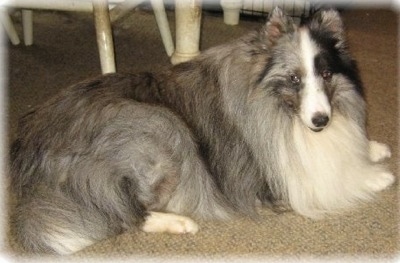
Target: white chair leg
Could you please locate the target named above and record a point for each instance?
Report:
(188, 18)
(104, 36)
(163, 25)
(8, 25)
(231, 11)
(27, 26)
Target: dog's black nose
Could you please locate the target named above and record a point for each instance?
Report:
(320, 120)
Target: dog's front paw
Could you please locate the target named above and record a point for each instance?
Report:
(380, 182)
(171, 223)
(378, 151)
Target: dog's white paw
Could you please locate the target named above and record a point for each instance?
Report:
(378, 151)
(171, 223)
(381, 181)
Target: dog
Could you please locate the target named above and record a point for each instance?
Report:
(276, 117)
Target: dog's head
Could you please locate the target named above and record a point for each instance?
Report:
(308, 65)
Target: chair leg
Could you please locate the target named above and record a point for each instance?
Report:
(231, 10)
(188, 18)
(163, 25)
(104, 36)
(8, 25)
(27, 26)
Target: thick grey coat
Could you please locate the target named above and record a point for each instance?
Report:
(204, 139)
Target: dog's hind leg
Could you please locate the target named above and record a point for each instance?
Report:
(157, 222)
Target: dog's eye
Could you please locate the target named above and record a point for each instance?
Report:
(295, 79)
(326, 75)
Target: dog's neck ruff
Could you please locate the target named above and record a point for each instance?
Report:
(325, 172)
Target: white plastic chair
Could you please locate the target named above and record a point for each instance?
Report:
(102, 21)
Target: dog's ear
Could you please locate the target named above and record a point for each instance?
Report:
(278, 25)
(329, 22)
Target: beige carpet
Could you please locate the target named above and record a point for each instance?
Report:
(65, 52)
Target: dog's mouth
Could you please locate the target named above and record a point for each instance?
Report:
(316, 129)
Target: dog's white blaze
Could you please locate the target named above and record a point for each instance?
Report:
(314, 100)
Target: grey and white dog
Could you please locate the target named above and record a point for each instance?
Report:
(276, 116)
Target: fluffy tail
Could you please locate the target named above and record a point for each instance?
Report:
(52, 223)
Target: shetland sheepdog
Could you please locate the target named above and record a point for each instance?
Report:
(276, 117)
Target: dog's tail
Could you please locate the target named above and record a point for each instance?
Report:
(53, 223)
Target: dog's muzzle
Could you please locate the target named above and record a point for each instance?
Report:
(319, 121)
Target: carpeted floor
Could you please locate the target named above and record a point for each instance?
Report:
(65, 52)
